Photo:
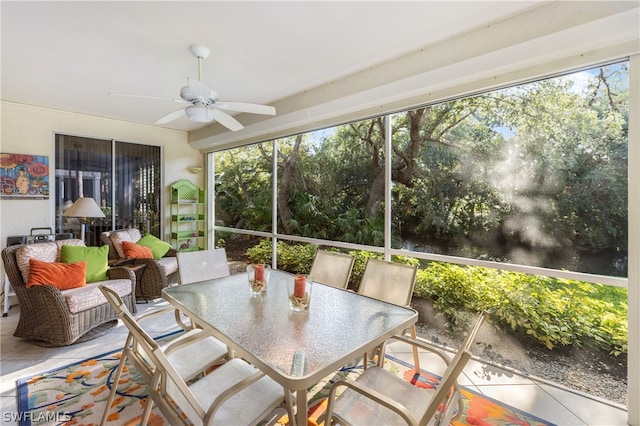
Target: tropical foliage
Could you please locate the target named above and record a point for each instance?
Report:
(554, 312)
(534, 174)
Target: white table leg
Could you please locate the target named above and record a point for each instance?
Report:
(301, 408)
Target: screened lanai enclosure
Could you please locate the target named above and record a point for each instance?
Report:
(513, 200)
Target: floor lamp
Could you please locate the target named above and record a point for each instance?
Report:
(83, 209)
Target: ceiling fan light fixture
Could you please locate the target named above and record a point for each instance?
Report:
(199, 114)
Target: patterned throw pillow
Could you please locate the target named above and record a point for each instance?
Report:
(60, 275)
(45, 252)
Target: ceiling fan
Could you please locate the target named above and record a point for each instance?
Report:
(205, 104)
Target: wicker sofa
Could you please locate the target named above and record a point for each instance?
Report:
(158, 274)
(53, 317)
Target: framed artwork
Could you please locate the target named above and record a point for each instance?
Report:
(24, 176)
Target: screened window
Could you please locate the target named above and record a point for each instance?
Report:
(244, 187)
(533, 175)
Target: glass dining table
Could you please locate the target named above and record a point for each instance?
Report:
(296, 349)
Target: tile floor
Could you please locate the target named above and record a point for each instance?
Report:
(546, 400)
(20, 358)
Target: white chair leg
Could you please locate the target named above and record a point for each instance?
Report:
(147, 410)
(416, 358)
(114, 388)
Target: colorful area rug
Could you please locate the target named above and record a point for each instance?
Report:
(77, 395)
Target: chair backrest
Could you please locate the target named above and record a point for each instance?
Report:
(195, 266)
(332, 268)
(16, 258)
(114, 239)
(471, 336)
(444, 393)
(456, 365)
(388, 281)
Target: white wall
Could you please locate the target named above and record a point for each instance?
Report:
(30, 130)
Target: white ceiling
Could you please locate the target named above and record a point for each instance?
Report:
(70, 55)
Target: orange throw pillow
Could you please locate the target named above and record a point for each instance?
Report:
(136, 251)
(60, 275)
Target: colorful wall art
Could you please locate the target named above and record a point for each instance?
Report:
(24, 176)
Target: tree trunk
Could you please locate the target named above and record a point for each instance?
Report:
(376, 194)
(286, 185)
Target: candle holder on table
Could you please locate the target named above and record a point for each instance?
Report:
(299, 292)
(258, 276)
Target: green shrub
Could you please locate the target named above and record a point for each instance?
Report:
(293, 258)
(555, 312)
(297, 258)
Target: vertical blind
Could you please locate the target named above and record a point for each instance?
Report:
(123, 178)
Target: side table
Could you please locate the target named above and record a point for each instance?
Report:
(137, 269)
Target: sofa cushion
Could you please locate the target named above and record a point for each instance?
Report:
(117, 237)
(168, 265)
(157, 246)
(63, 276)
(46, 252)
(136, 251)
(97, 259)
(81, 299)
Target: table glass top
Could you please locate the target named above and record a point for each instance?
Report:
(295, 344)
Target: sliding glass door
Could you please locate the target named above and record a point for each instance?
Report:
(123, 178)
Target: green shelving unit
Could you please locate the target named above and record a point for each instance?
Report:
(188, 216)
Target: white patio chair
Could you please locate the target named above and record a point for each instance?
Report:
(235, 393)
(332, 268)
(193, 352)
(380, 397)
(196, 266)
(392, 283)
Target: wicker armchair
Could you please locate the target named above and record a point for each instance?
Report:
(51, 317)
(157, 275)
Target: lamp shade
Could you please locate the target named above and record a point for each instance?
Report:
(84, 207)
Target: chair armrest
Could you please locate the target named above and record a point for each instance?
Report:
(422, 345)
(230, 392)
(182, 341)
(122, 262)
(155, 313)
(44, 300)
(163, 311)
(121, 273)
(372, 394)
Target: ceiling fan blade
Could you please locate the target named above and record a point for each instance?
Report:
(147, 97)
(171, 116)
(199, 89)
(226, 120)
(247, 107)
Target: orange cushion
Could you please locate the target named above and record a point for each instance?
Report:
(60, 275)
(136, 251)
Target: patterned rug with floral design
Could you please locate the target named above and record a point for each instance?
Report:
(76, 395)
